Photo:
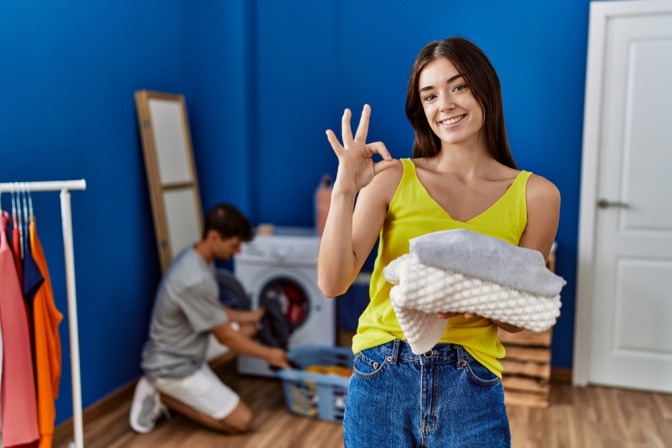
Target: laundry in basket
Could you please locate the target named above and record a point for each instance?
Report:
(317, 388)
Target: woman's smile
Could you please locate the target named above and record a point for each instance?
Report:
(452, 120)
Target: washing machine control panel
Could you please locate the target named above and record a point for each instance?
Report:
(281, 249)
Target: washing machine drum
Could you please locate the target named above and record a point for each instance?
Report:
(287, 306)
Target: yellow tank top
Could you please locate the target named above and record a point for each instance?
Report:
(413, 213)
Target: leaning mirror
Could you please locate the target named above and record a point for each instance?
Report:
(171, 174)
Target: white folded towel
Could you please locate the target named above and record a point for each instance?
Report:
(421, 291)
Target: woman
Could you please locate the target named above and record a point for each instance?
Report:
(462, 176)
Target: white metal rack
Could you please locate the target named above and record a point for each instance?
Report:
(66, 217)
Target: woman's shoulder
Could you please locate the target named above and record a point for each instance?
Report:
(543, 213)
(540, 188)
(543, 199)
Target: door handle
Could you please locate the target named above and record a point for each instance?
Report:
(604, 203)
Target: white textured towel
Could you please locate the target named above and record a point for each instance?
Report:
(421, 291)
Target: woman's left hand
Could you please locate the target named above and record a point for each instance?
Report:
(356, 167)
(503, 325)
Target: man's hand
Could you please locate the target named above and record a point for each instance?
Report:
(277, 357)
(245, 317)
(257, 315)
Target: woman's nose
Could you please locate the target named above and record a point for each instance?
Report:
(446, 102)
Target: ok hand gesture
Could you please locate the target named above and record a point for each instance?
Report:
(356, 167)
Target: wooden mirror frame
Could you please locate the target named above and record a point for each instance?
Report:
(171, 173)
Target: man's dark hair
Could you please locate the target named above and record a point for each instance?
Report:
(228, 221)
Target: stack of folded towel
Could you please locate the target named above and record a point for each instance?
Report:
(463, 271)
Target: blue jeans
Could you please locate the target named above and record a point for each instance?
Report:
(443, 398)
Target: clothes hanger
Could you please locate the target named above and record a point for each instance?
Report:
(26, 216)
(24, 197)
(19, 196)
(13, 205)
(30, 202)
(15, 217)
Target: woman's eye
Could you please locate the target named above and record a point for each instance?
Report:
(429, 97)
(460, 87)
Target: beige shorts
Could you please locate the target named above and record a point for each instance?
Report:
(203, 391)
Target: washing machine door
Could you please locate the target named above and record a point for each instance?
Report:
(287, 307)
(290, 295)
(307, 313)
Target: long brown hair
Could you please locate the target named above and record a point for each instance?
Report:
(483, 81)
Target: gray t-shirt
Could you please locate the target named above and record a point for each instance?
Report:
(186, 308)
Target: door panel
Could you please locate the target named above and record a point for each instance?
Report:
(648, 133)
(630, 337)
(641, 302)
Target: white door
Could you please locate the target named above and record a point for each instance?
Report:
(624, 305)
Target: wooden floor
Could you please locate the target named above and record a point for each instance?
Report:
(593, 417)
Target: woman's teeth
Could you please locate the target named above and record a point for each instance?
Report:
(451, 120)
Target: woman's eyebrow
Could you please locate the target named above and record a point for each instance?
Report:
(451, 79)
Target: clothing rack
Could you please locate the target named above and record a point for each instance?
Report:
(66, 217)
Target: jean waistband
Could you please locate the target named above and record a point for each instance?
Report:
(398, 350)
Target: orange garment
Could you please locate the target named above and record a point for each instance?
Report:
(330, 370)
(46, 319)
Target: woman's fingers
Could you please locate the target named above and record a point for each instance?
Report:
(379, 148)
(357, 144)
(363, 127)
(333, 141)
(346, 130)
(355, 165)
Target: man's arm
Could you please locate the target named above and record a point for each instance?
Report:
(242, 344)
(244, 316)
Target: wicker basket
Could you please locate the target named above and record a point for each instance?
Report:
(315, 395)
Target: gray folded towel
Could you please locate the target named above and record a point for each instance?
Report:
(486, 258)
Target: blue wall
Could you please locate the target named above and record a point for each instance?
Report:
(219, 89)
(263, 81)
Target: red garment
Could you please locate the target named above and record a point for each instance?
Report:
(46, 319)
(16, 251)
(18, 398)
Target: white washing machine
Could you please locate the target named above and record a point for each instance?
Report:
(284, 266)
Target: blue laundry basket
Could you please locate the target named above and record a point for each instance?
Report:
(314, 395)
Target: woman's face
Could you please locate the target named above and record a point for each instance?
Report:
(451, 109)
